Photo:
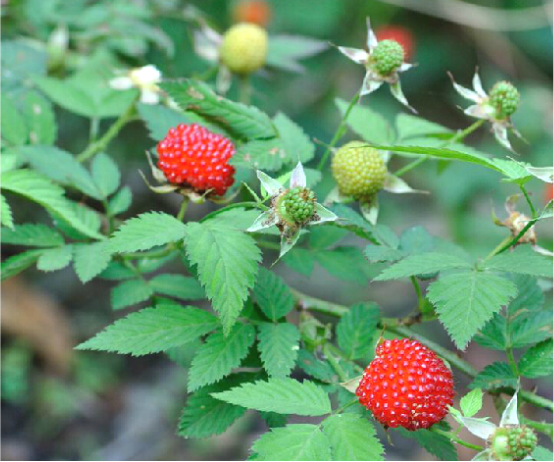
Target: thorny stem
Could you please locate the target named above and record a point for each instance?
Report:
(338, 134)
(456, 439)
(531, 207)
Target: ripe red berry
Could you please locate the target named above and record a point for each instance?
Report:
(398, 34)
(406, 385)
(252, 11)
(191, 155)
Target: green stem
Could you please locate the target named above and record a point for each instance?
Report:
(531, 207)
(511, 360)
(269, 245)
(334, 363)
(543, 427)
(248, 205)
(410, 166)
(338, 134)
(420, 297)
(94, 126)
(499, 247)
(456, 439)
(109, 216)
(112, 132)
(346, 406)
(183, 209)
(245, 89)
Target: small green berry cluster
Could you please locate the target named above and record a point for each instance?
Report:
(504, 97)
(296, 206)
(386, 57)
(513, 443)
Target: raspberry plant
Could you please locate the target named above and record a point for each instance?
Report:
(259, 343)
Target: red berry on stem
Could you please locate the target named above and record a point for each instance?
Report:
(398, 34)
(191, 155)
(406, 385)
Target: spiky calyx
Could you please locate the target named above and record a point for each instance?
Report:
(387, 57)
(244, 48)
(359, 170)
(504, 97)
(512, 443)
(296, 206)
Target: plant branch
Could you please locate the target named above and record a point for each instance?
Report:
(529, 203)
(456, 439)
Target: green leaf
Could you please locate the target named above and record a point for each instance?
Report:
(34, 235)
(380, 253)
(39, 189)
(537, 360)
(438, 445)
(466, 300)
(273, 295)
(318, 369)
(266, 155)
(521, 260)
(60, 166)
(531, 328)
(529, 295)
(12, 124)
(293, 442)
(227, 263)
(422, 264)
(146, 231)
(40, 119)
(205, 416)
(321, 237)
(152, 330)
(298, 146)
(6, 217)
(356, 328)
(495, 334)
(409, 126)
(55, 258)
(495, 375)
(300, 260)
(245, 121)
(20, 262)
(542, 453)
(472, 403)
(278, 345)
(285, 50)
(284, 396)
(352, 437)
(159, 119)
(121, 201)
(220, 354)
(345, 262)
(177, 285)
(90, 260)
(370, 125)
(67, 96)
(416, 240)
(130, 293)
(105, 174)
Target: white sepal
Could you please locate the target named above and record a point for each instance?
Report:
(466, 92)
(265, 220)
(369, 85)
(501, 134)
(370, 210)
(371, 38)
(478, 86)
(288, 242)
(298, 177)
(352, 384)
(397, 185)
(509, 416)
(396, 91)
(271, 186)
(545, 174)
(355, 54)
(323, 215)
(479, 427)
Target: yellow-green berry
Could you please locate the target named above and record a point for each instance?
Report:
(386, 57)
(513, 443)
(296, 206)
(359, 170)
(504, 97)
(244, 48)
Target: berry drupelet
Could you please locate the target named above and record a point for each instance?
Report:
(406, 385)
(191, 155)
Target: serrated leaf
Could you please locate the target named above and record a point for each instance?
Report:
(300, 260)
(495, 375)
(352, 438)
(318, 369)
(381, 253)
(227, 262)
(177, 285)
(410, 126)
(159, 119)
(278, 346)
(529, 295)
(121, 201)
(293, 442)
(266, 155)
(130, 293)
(105, 174)
(438, 445)
(344, 262)
(220, 355)
(17, 263)
(537, 360)
(466, 300)
(152, 330)
(34, 235)
(273, 420)
(6, 217)
(521, 260)
(272, 295)
(39, 189)
(356, 328)
(531, 328)
(40, 119)
(90, 260)
(55, 258)
(86, 215)
(245, 121)
(416, 240)
(146, 231)
(297, 145)
(68, 96)
(12, 123)
(284, 396)
(472, 402)
(542, 453)
(422, 264)
(368, 124)
(495, 334)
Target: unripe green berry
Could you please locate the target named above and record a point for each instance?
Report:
(296, 206)
(504, 97)
(244, 48)
(359, 170)
(386, 57)
(513, 443)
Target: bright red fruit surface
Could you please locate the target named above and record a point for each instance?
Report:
(253, 11)
(398, 34)
(194, 156)
(406, 385)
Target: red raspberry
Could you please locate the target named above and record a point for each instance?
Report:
(192, 155)
(406, 385)
(398, 34)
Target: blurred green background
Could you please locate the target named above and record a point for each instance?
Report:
(61, 404)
